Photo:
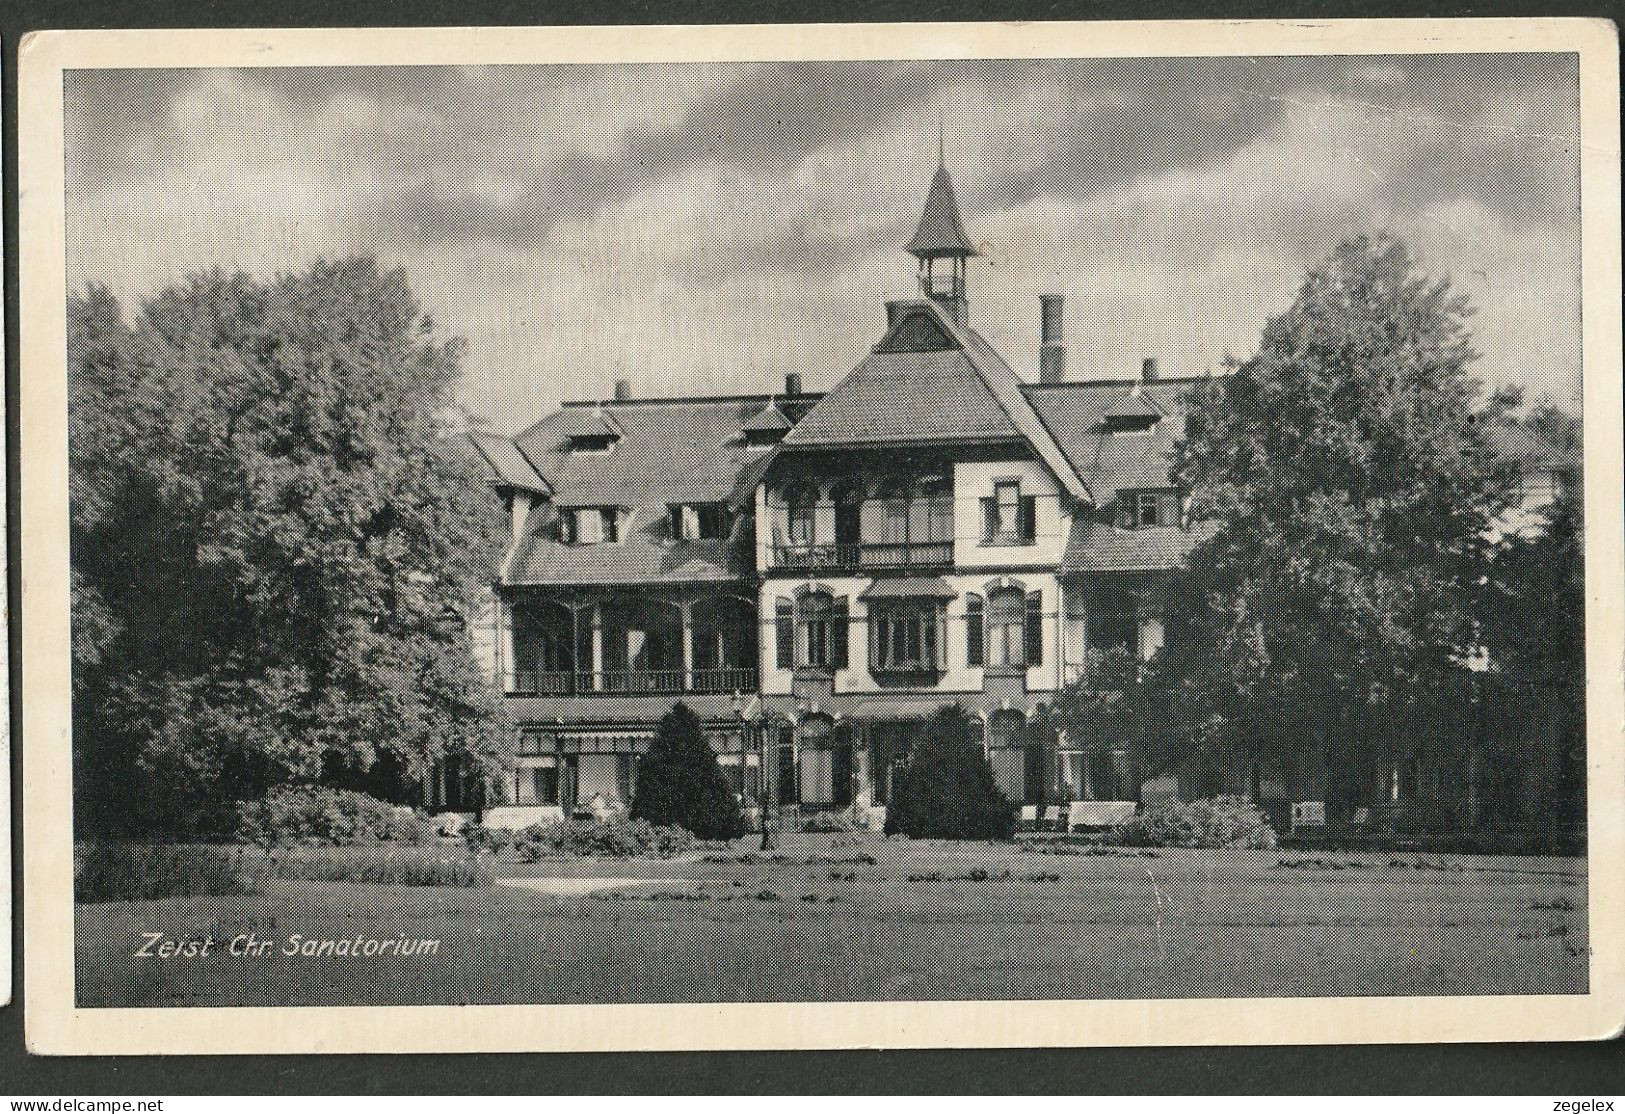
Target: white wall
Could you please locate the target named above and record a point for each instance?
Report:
(958, 677)
(973, 482)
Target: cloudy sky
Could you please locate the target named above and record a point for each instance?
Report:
(706, 228)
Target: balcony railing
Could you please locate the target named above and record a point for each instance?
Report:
(631, 682)
(864, 555)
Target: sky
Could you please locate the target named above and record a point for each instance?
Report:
(706, 228)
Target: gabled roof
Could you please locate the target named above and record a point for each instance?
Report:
(1136, 408)
(508, 463)
(941, 232)
(959, 393)
(770, 420)
(587, 421)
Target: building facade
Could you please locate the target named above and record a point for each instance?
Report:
(814, 574)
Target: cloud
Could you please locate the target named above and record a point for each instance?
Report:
(709, 227)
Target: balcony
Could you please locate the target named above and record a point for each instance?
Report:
(631, 682)
(864, 555)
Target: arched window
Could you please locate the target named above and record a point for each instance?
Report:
(1006, 627)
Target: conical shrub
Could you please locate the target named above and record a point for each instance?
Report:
(679, 781)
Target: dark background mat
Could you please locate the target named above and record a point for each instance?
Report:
(1569, 1070)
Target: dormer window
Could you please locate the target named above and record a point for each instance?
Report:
(1140, 509)
(589, 430)
(592, 443)
(699, 521)
(590, 525)
(767, 428)
(1134, 414)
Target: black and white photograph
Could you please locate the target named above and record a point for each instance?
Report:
(1082, 528)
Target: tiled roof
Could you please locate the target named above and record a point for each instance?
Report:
(507, 462)
(941, 231)
(645, 555)
(669, 451)
(586, 421)
(963, 393)
(770, 420)
(1097, 547)
(1112, 461)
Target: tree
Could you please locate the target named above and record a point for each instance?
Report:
(680, 781)
(946, 791)
(1346, 479)
(1534, 642)
(275, 549)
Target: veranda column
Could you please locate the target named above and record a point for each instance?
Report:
(597, 647)
(687, 609)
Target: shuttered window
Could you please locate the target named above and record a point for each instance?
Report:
(784, 633)
(973, 630)
(841, 622)
(1035, 628)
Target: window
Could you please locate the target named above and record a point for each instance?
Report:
(1137, 510)
(699, 522)
(1009, 517)
(1015, 632)
(742, 772)
(537, 785)
(822, 619)
(589, 525)
(906, 636)
(1114, 623)
(973, 630)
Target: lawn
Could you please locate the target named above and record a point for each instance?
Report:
(924, 920)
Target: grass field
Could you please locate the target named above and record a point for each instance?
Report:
(923, 921)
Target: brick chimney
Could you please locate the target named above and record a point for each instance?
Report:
(1148, 369)
(792, 383)
(1051, 352)
(623, 390)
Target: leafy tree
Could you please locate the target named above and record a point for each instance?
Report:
(947, 791)
(681, 783)
(1348, 485)
(1534, 642)
(275, 548)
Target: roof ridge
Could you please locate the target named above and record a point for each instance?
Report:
(981, 347)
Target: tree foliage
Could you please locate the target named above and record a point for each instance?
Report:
(1347, 481)
(680, 782)
(276, 547)
(947, 791)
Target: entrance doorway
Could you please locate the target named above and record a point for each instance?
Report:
(890, 744)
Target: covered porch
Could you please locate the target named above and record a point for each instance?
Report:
(629, 642)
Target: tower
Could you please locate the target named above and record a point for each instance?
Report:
(941, 245)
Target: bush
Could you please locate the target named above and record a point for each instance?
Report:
(142, 872)
(615, 839)
(1214, 822)
(480, 838)
(317, 814)
(380, 865)
(947, 790)
(680, 783)
(832, 822)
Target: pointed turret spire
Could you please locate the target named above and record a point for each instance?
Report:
(941, 235)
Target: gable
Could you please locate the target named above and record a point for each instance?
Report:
(918, 331)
